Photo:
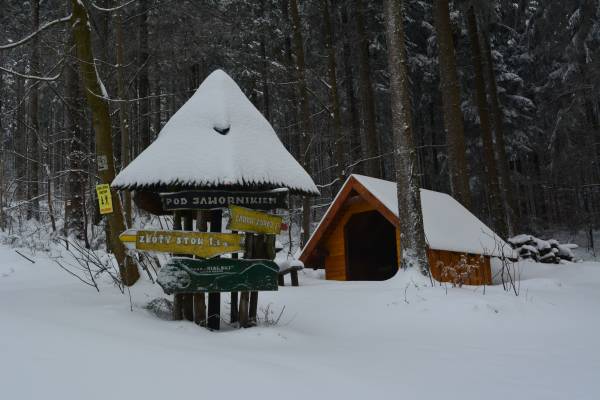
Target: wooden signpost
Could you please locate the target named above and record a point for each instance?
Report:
(245, 220)
(188, 275)
(190, 279)
(201, 244)
(211, 199)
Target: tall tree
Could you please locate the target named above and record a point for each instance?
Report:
(453, 117)
(74, 206)
(94, 90)
(412, 235)
(353, 115)
(499, 144)
(306, 127)
(495, 197)
(338, 144)
(123, 112)
(144, 80)
(33, 153)
(373, 164)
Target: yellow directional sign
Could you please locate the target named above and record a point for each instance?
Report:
(104, 199)
(245, 220)
(201, 244)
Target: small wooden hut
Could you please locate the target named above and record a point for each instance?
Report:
(358, 237)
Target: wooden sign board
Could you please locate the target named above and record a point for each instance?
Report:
(188, 275)
(104, 199)
(201, 244)
(245, 220)
(209, 199)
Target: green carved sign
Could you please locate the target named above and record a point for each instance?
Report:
(188, 275)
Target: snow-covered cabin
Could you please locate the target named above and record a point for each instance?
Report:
(219, 140)
(358, 237)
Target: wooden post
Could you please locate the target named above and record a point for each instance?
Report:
(214, 299)
(234, 314)
(188, 299)
(253, 308)
(200, 298)
(258, 247)
(243, 315)
(294, 275)
(177, 298)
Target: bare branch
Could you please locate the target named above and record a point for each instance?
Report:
(32, 35)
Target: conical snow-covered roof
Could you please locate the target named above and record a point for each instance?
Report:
(217, 139)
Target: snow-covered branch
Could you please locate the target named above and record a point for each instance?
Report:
(32, 35)
(97, 7)
(33, 77)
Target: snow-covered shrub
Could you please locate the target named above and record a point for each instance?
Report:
(546, 251)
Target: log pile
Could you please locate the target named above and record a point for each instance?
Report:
(545, 251)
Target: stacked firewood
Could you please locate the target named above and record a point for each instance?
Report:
(545, 251)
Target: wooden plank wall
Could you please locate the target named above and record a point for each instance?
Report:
(480, 274)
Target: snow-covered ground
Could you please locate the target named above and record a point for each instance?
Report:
(62, 340)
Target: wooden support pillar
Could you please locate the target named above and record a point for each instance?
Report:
(200, 309)
(187, 300)
(294, 275)
(234, 316)
(253, 308)
(244, 303)
(234, 313)
(214, 299)
(188, 306)
(200, 298)
(177, 298)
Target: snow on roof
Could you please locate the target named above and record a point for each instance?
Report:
(217, 138)
(448, 224)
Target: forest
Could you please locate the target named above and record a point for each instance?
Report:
(504, 99)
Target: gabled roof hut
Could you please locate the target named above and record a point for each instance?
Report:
(216, 140)
(358, 237)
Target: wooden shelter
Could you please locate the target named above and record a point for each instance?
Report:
(358, 237)
(216, 150)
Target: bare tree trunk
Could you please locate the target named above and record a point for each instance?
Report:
(144, 81)
(20, 143)
(102, 127)
(123, 114)
(265, 65)
(338, 147)
(306, 130)
(486, 129)
(500, 146)
(3, 160)
(453, 117)
(74, 218)
(356, 151)
(373, 164)
(33, 153)
(412, 236)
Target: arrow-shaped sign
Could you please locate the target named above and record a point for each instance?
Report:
(201, 244)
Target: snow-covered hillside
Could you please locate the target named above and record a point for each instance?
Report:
(345, 340)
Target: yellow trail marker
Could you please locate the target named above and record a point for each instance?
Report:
(201, 244)
(104, 198)
(245, 220)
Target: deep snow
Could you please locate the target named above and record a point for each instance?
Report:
(62, 340)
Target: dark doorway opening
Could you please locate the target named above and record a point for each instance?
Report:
(370, 247)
